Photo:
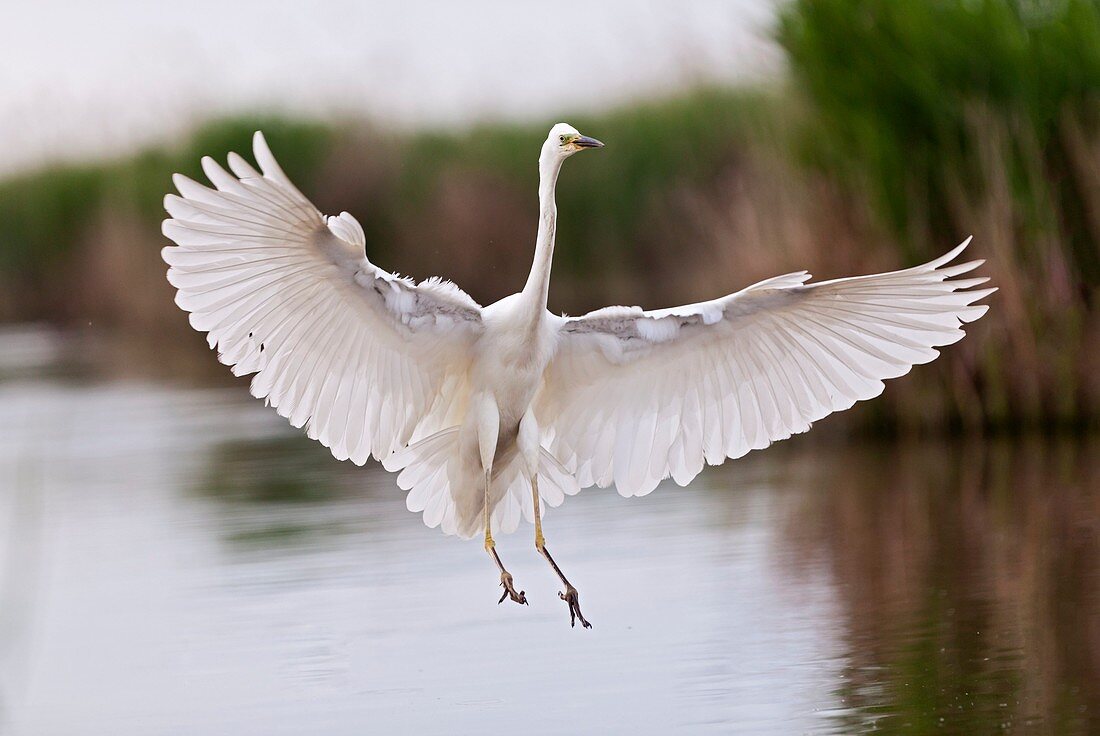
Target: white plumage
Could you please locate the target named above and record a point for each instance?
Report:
(443, 390)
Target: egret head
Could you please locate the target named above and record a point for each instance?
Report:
(565, 140)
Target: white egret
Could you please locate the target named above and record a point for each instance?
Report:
(491, 412)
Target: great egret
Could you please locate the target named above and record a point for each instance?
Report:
(490, 412)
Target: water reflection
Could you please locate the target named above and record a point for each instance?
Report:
(289, 478)
(179, 561)
(269, 470)
(968, 577)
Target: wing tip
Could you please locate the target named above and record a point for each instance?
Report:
(260, 148)
(180, 182)
(950, 255)
(973, 313)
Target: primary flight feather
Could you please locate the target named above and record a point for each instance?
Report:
(490, 412)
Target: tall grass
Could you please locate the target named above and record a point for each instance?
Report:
(974, 116)
(903, 94)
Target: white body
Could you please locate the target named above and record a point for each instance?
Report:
(509, 361)
(432, 384)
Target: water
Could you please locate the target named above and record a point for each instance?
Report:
(178, 561)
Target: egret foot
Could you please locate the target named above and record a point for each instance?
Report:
(570, 596)
(510, 589)
(505, 577)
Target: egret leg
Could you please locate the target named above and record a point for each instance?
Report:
(490, 547)
(569, 595)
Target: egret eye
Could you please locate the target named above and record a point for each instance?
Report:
(561, 138)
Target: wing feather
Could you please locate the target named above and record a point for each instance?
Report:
(359, 356)
(634, 396)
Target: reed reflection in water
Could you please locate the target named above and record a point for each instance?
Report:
(968, 577)
(178, 561)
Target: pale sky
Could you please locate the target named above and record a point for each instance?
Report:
(86, 79)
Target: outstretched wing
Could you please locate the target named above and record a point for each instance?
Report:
(633, 397)
(365, 358)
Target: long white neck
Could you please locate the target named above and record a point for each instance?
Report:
(538, 282)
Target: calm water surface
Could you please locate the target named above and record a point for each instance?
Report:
(181, 562)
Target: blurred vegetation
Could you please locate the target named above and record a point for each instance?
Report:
(48, 217)
(978, 116)
(905, 94)
(903, 128)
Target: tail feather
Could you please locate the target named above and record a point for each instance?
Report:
(444, 486)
